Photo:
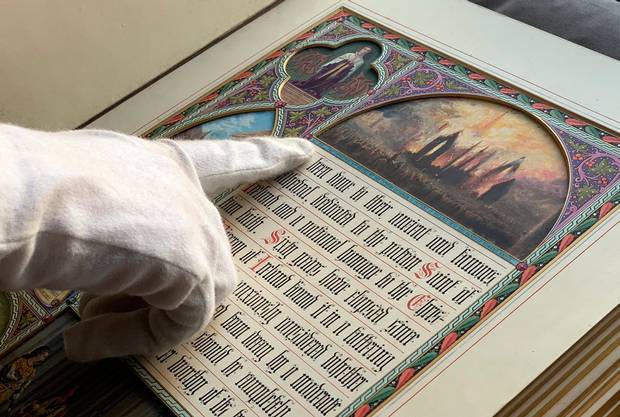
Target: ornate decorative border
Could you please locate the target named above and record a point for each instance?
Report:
(427, 54)
(526, 271)
(28, 316)
(156, 388)
(592, 153)
(14, 315)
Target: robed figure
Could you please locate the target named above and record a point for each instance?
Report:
(17, 375)
(333, 72)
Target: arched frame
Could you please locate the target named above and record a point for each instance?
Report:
(588, 138)
(539, 122)
(376, 65)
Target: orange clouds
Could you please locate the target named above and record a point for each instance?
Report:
(506, 131)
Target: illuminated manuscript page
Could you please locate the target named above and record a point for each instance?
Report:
(341, 282)
(519, 341)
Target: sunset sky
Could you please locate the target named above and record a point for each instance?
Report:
(507, 132)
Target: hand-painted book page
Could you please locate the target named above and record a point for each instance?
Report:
(342, 280)
(436, 193)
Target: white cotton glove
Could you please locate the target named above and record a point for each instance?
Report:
(127, 221)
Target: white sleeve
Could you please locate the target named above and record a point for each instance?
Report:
(112, 214)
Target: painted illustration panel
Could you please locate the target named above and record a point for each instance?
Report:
(338, 74)
(519, 176)
(487, 166)
(37, 380)
(231, 127)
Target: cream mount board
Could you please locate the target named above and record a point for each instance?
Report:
(511, 348)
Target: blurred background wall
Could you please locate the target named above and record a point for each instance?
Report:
(63, 61)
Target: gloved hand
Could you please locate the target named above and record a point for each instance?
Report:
(129, 222)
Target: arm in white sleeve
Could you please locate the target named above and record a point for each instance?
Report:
(129, 222)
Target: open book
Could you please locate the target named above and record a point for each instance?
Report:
(437, 192)
(437, 195)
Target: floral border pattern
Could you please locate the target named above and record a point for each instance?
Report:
(526, 272)
(413, 69)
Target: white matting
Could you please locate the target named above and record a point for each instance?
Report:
(492, 365)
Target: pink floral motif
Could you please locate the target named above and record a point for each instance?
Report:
(303, 123)
(395, 61)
